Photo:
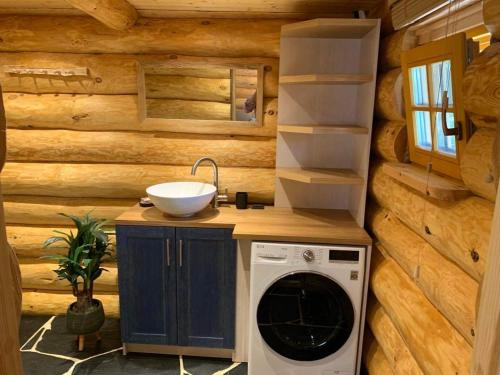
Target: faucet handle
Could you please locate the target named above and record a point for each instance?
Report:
(223, 197)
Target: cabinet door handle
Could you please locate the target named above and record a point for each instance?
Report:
(180, 253)
(168, 252)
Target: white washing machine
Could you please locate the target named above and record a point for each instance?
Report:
(306, 304)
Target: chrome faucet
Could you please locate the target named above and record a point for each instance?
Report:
(218, 197)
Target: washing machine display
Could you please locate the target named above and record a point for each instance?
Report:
(305, 316)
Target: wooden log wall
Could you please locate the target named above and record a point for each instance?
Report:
(188, 95)
(431, 254)
(75, 143)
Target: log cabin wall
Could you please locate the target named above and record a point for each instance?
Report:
(75, 145)
(430, 255)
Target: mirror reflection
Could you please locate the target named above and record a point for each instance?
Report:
(202, 93)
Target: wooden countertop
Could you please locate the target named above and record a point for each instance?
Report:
(269, 224)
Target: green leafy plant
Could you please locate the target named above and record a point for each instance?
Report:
(82, 264)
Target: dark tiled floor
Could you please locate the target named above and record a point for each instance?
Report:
(49, 350)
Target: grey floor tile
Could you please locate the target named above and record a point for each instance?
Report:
(131, 364)
(39, 364)
(59, 341)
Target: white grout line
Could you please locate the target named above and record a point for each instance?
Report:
(45, 327)
(223, 372)
(79, 361)
(55, 355)
(182, 370)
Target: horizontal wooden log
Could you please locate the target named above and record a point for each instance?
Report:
(459, 230)
(199, 37)
(390, 140)
(110, 113)
(481, 95)
(27, 241)
(188, 88)
(389, 101)
(491, 16)
(81, 112)
(160, 69)
(374, 359)
(437, 347)
(245, 73)
(124, 147)
(480, 163)
(125, 180)
(107, 74)
(41, 277)
(392, 344)
(244, 93)
(245, 82)
(116, 73)
(39, 303)
(450, 289)
(33, 210)
(116, 14)
(187, 109)
(392, 46)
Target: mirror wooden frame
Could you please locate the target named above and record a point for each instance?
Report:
(155, 122)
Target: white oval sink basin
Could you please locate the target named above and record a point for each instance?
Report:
(181, 199)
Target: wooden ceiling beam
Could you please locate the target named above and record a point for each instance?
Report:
(116, 14)
(251, 9)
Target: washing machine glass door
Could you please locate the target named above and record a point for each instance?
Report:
(305, 316)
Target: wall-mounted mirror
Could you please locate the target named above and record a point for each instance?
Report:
(206, 93)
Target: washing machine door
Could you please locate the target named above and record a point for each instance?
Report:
(305, 316)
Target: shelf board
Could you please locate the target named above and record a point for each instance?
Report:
(320, 176)
(322, 129)
(329, 28)
(433, 185)
(325, 79)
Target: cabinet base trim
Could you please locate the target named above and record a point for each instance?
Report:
(177, 350)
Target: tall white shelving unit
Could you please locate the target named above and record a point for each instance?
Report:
(328, 70)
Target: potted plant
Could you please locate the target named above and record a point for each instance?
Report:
(81, 267)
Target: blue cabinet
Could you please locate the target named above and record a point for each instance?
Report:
(206, 287)
(177, 285)
(148, 285)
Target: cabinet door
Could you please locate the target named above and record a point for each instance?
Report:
(147, 283)
(206, 277)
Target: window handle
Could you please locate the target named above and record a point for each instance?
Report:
(455, 131)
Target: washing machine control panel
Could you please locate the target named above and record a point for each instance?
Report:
(295, 254)
(304, 255)
(318, 255)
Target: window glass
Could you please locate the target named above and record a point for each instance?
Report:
(445, 145)
(430, 71)
(441, 81)
(419, 94)
(423, 136)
